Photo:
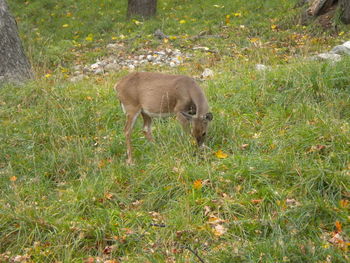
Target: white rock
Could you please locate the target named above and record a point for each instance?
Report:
(95, 65)
(112, 46)
(112, 67)
(207, 73)
(132, 67)
(176, 60)
(329, 56)
(340, 50)
(99, 71)
(172, 64)
(77, 67)
(261, 67)
(150, 58)
(141, 57)
(77, 78)
(162, 53)
(346, 44)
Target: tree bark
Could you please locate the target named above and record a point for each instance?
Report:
(144, 8)
(319, 7)
(345, 8)
(14, 65)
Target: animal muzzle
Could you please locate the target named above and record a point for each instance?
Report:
(200, 141)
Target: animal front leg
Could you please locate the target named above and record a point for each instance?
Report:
(185, 123)
(131, 118)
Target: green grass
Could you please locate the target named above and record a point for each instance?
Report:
(66, 194)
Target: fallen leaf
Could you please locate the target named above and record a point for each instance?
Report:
(207, 210)
(214, 220)
(256, 201)
(338, 227)
(197, 184)
(344, 203)
(219, 230)
(221, 155)
(108, 196)
(13, 178)
(244, 146)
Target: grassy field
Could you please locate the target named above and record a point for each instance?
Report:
(273, 187)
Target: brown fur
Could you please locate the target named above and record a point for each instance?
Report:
(158, 94)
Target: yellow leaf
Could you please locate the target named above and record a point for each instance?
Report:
(197, 184)
(227, 20)
(341, 33)
(136, 22)
(165, 40)
(221, 155)
(90, 37)
(65, 25)
(254, 39)
(273, 27)
(47, 75)
(237, 14)
(89, 98)
(172, 37)
(13, 178)
(114, 38)
(182, 21)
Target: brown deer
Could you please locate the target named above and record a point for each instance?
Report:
(159, 95)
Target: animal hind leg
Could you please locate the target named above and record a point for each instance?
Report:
(147, 126)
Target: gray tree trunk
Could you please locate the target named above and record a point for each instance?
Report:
(144, 8)
(345, 8)
(14, 65)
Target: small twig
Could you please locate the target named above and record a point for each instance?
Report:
(194, 253)
(158, 225)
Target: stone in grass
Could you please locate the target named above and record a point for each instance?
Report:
(207, 73)
(112, 67)
(99, 71)
(328, 56)
(112, 46)
(261, 67)
(343, 49)
(77, 78)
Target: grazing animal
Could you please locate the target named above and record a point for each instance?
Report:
(159, 95)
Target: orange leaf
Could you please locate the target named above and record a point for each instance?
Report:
(197, 184)
(344, 203)
(256, 201)
(338, 226)
(13, 178)
(108, 196)
(101, 164)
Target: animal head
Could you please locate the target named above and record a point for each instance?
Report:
(199, 125)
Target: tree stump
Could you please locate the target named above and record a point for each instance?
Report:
(144, 8)
(14, 65)
(345, 7)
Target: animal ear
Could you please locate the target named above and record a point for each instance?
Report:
(209, 116)
(186, 115)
